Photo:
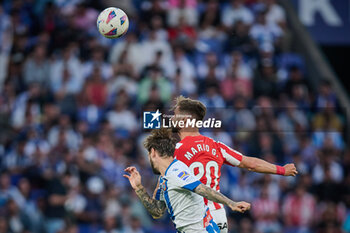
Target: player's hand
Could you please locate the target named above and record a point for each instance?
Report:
(134, 177)
(241, 206)
(290, 169)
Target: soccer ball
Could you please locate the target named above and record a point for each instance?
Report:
(112, 22)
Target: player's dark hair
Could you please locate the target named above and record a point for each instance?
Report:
(192, 107)
(162, 141)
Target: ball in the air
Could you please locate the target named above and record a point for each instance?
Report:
(112, 22)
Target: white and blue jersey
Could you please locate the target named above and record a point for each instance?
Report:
(186, 208)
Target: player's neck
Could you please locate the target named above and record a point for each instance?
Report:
(164, 164)
(191, 132)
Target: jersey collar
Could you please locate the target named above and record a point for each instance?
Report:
(170, 166)
(188, 137)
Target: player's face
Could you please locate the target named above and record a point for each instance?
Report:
(154, 169)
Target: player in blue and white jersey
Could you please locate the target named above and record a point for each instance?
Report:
(179, 190)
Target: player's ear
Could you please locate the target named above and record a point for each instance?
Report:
(186, 117)
(152, 153)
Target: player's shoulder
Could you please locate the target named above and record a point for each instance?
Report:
(209, 139)
(176, 167)
(179, 165)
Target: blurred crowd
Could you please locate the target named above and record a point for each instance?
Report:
(71, 105)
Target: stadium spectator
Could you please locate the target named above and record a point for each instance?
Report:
(97, 61)
(241, 40)
(211, 63)
(209, 21)
(156, 82)
(211, 97)
(298, 210)
(84, 18)
(238, 65)
(66, 76)
(182, 64)
(266, 213)
(18, 221)
(4, 228)
(151, 47)
(122, 118)
(36, 68)
(296, 80)
(292, 120)
(234, 12)
(265, 81)
(182, 10)
(275, 13)
(267, 36)
(326, 95)
(55, 211)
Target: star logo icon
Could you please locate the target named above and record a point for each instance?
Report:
(155, 115)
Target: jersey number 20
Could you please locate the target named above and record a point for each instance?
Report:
(210, 166)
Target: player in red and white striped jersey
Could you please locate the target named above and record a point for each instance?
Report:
(205, 156)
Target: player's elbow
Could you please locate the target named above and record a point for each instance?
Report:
(157, 216)
(158, 213)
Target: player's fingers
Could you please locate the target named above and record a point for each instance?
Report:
(246, 206)
(126, 176)
(128, 169)
(134, 170)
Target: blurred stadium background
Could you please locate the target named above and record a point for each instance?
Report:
(71, 104)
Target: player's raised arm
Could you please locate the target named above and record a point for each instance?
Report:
(154, 207)
(233, 157)
(262, 166)
(217, 197)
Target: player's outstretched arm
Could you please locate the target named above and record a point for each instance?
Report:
(217, 197)
(262, 166)
(154, 207)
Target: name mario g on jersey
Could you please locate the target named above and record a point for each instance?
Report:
(196, 149)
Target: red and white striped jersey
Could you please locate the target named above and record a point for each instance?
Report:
(205, 157)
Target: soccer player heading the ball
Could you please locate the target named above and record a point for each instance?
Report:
(179, 190)
(205, 156)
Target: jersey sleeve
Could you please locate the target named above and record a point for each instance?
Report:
(183, 178)
(231, 156)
